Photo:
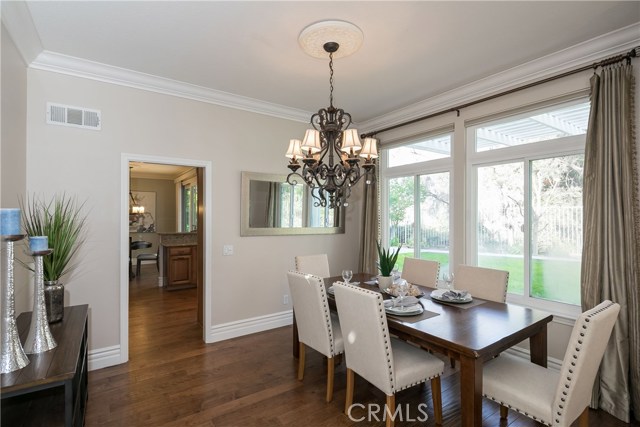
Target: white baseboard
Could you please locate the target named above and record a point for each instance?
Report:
(104, 357)
(252, 325)
(552, 363)
(110, 356)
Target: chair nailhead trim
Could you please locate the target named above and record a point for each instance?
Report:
(540, 420)
(575, 357)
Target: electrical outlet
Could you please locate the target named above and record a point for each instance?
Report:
(285, 299)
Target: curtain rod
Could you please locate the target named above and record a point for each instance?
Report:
(633, 53)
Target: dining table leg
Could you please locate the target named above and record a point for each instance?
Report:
(538, 347)
(470, 391)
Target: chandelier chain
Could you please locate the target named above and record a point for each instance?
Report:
(331, 79)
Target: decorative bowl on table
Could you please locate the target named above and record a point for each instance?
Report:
(413, 291)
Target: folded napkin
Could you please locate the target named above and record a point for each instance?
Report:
(455, 294)
(406, 302)
(371, 282)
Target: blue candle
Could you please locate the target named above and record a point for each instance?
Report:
(38, 243)
(9, 222)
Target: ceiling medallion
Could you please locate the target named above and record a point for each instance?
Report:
(313, 38)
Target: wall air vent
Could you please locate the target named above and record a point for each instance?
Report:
(66, 115)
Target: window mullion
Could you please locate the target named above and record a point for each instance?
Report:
(527, 229)
(417, 225)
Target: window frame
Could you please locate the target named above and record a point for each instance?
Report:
(526, 153)
(415, 170)
(191, 183)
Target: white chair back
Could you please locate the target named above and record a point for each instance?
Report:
(484, 283)
(421, 272)
(310, 306)
(587, 344)
(364, 327)
(318, 265)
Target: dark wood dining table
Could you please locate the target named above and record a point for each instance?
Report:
(471, 333)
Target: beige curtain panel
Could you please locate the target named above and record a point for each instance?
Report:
(370, 231)
(611, 235)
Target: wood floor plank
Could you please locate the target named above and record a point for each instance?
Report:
(174, 379)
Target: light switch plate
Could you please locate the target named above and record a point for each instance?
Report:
(227, 250)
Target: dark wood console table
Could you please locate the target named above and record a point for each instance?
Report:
(52, 389)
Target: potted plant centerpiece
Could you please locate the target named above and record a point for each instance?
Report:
(387, 261)
(62, 221)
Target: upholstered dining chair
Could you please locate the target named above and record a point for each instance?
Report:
(421, 272)
(318, 265)
(480, 282)
(318, 328)
(484, 283)
(554, 398)
(388, 363)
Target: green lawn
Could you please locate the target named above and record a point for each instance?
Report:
(557, 280)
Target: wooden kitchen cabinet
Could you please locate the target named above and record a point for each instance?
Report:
(181, 267)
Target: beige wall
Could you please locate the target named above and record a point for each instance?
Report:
(88, 163)
(13, 153)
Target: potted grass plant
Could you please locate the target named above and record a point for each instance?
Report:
(386, 262)
(62, 220)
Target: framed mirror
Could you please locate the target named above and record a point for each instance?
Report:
(273, 207)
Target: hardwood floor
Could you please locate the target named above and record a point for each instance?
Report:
(174, 379)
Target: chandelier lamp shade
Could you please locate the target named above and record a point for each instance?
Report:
(331, 158)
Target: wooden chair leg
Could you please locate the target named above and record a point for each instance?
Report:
(436, 394)
(390, 410)
(330, 370)
(583, 419)
(504, 412)
(348, 399)
(300, 361)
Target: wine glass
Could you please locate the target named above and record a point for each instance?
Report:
(347, 275)
(395, 274)
(402, 289)
(448, 280)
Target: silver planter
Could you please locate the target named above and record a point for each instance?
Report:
(39, 339)
(54, 300)
(13, 356)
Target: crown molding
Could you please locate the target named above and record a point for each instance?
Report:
(64, 64)
(573, 57)
(19, 24)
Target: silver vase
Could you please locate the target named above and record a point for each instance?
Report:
(13, 357)
(39, 339)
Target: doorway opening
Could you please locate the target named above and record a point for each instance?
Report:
(165, 212)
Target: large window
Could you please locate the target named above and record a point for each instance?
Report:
(417, 206)
(526, 192)
(189, 200)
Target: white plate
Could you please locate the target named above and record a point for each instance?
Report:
(439, 295)
(408, 311)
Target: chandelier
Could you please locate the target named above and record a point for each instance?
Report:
(331, 155)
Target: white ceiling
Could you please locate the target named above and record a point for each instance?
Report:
(412, 51)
